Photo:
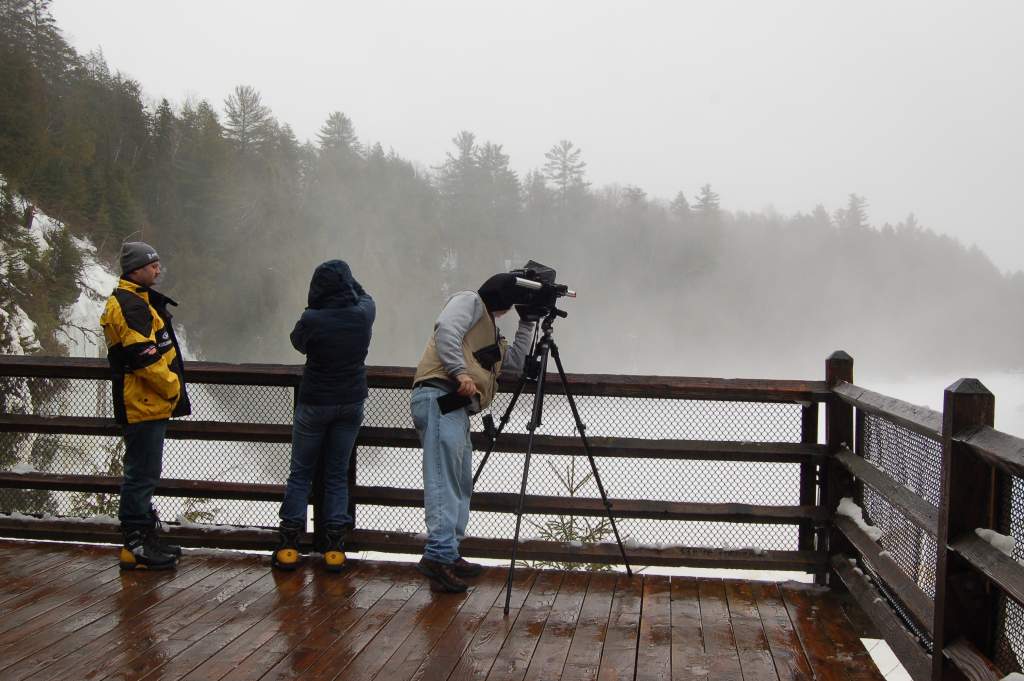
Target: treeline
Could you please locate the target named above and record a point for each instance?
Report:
(242, 211)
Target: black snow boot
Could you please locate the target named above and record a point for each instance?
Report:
(286, 555)
(158, 527)
(141, 552)
(334, 552)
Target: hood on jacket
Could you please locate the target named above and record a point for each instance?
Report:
(332, 286)
(501, 293)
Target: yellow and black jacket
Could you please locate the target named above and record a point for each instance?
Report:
(148, 372)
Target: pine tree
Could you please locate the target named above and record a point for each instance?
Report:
(680, 208)
(855, 216)
(338, 135)
(249, 123)
(707, 202)
(565, 169)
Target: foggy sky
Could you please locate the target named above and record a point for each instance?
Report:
(785, 104)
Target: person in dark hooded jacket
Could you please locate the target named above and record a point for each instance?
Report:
(334, 334)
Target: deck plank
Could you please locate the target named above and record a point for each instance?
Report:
(689, 661)
(345, 649)
(329, 596)
(479, 655)
(654, 646)
(140, 592)
(323, 639)
(719, 638)
(441, 619)
(834, 653)
(192, 645)
(302, 610)
(552, 649)
(618, 658)
(790, 660)
(514, 657)
(68, 588)
(108, 653)
(584, 659)
(95, 610)
(756, 661)
(449, 649)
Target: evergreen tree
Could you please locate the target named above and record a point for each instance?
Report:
(338, 135)
(680, 208)
(565, 169)
(249, 123)
(855, 216)
(707, 203)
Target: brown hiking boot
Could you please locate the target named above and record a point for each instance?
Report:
(442, 576)
(463, 568)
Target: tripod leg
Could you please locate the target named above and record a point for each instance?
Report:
(501, 426)
(538, 399)
(586, 446)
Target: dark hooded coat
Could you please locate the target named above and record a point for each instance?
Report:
(334, 334)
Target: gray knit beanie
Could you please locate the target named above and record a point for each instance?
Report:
(136, 254)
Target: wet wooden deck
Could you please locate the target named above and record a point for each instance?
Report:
(67, 612)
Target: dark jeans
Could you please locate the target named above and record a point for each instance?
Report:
(143, 461)
(321, 430)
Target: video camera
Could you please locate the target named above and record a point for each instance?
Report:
(542, 293)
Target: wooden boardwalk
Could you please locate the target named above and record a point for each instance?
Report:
(67, 612)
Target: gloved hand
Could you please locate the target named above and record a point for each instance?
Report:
(529, 313)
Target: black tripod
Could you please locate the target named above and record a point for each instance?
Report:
(535, 369)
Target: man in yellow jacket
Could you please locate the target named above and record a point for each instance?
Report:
(148, 381)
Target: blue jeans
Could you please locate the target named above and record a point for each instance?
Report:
(329, 430)
(447, 472)
(143, 461)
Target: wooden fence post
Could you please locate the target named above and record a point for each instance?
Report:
(809, 475)
(352, 484)
(837, 482)
(964, 606)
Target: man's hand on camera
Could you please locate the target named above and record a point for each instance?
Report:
(528, 313)
(467, 388)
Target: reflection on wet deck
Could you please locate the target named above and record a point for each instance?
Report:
(69, 613)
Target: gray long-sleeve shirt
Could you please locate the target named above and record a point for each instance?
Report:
(462, 311)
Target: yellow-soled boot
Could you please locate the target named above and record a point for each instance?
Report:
(141, 552)
(286, 555)
(334, 552)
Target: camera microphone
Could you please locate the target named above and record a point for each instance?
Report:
(538, 285)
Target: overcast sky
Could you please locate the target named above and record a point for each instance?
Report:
(917, 105)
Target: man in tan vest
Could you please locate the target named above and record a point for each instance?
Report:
(461, 364)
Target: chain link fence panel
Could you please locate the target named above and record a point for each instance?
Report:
(551, 475)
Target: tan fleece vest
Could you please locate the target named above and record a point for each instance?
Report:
(480, 335)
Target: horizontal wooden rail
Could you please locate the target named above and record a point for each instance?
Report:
(504, 502)
(923, 514)
(609, 385)
(918, 419)
(1004, 451)
(918, 603)
(1004, 571)
(970, 661)
(398, 542)
(912, 656)
(168, 487)
(413, 498)
(784, 452)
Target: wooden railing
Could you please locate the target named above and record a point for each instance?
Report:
(962, 622)
(946, 628)
(808, 515)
